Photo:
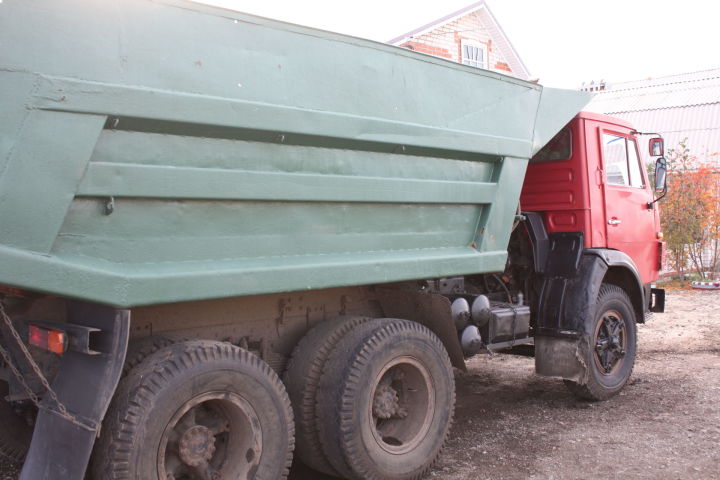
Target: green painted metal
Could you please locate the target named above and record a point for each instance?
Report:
(163, 151)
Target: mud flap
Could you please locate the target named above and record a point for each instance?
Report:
(61, 448)
(561, 357)
(570, 287)
(571, 284)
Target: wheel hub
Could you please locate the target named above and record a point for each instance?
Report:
(386, 402)
(402, 405)
(213, 436)
(197, 445)
(610, 337)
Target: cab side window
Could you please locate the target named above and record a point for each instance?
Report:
(557, 149)
(622, 165)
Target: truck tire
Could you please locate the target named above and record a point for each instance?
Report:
(197, 410)
(142, 348)
(301, 379)
(15, 433)
(611, 356)
(385, 401)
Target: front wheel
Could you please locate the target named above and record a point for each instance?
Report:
(197, 410)
(611, 356)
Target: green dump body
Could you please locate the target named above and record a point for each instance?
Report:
(165, 151)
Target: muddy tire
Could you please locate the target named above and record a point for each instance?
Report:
(196, 410)
(138, 350)
(15, 433)
(613, 346)
(385, 401)
(301, 380)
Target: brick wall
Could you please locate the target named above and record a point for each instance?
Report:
(446, 40)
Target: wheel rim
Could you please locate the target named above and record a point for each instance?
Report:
(610, 342)
(402, 406)
(215, 435)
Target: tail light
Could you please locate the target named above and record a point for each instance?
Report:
(54, 341)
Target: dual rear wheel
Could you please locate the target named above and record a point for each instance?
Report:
(377, 401)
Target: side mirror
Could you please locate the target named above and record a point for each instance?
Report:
(657, 147)
(660, 175)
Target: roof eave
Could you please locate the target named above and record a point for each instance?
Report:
(438, 23)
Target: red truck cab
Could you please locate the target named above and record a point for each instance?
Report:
(594, 231)
(591, 178)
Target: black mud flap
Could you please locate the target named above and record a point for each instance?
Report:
(571, 284)
(61, 447)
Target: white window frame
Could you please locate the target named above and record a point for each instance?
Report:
(622, 174)
(471, 62)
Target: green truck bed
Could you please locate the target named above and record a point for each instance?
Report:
(163, 151)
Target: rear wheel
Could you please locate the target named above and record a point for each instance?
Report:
(301, 380)
(385, 401)
(611, 357)
(15, 433)
(197, 410)
(138, 350)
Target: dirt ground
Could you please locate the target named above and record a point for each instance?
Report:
(512, 424)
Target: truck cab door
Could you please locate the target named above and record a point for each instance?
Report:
(630, 224)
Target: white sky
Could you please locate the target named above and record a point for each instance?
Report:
(562, 42)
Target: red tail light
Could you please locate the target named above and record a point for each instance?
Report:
(54, 341)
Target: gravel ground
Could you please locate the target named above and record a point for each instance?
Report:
(512, 424)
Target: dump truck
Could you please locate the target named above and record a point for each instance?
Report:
(227, 240)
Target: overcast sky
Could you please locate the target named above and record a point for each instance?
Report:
(562, 42)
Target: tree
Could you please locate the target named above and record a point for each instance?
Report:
(690, 214)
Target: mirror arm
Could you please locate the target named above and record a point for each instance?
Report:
(650, 205)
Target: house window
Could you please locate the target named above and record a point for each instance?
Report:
(474, 54)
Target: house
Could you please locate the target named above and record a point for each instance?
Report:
(676, 106)
(471, 36)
